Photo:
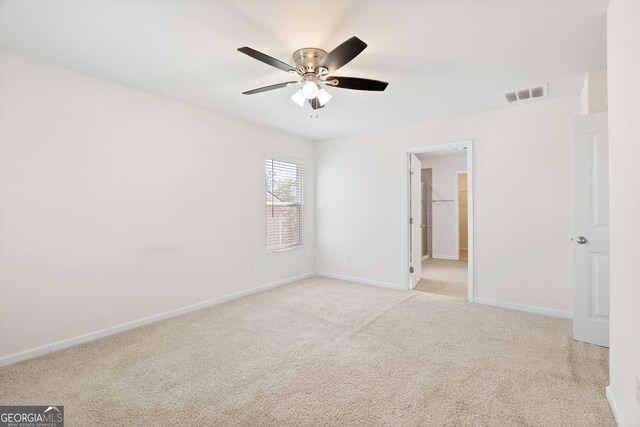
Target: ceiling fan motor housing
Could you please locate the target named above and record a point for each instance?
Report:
(308, 61)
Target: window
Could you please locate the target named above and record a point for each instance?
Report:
(284, 205)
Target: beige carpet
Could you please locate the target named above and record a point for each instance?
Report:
(325, 352)
(444, 277)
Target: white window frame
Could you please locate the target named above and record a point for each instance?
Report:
(302, 217)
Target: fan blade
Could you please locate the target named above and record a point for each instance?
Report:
(270, 87)
(315, 103)
(356, 83)
(266, 59)
(342, 54)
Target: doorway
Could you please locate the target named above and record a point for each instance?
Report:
(438, 207)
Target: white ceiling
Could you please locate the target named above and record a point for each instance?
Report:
(440, 57)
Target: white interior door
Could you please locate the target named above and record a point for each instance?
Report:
(591, 229)
(415, 220)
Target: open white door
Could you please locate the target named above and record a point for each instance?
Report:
(415, 269)
(591, 229)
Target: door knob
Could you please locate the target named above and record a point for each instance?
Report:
(422, 226)
(581, 240)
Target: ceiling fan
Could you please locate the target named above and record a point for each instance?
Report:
(315, 66)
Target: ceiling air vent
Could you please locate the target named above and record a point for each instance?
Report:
(526, 93)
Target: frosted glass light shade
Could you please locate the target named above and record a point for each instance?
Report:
(298, 97)
(310, 90)
(324, 96)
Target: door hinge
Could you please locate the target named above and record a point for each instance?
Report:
(410, 220)
(411, 269)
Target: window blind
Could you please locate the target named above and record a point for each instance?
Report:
(284, 204)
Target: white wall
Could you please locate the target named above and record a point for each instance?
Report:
(593, 97)
(522, 177)
(623, 55)
(444, 177)
(116, 205)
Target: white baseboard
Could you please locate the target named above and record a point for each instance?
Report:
(440, 256)
(360, 280)
(70, 342)
(524, 307)
(614, 406)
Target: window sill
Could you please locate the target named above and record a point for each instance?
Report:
(288, 248)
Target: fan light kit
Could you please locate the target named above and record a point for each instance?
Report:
(314, 66)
